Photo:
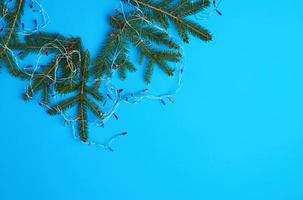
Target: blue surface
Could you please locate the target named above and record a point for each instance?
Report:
(235, 131)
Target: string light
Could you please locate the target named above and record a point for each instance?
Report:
(114, 97)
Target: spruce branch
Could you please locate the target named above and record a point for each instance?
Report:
(176, 13)
(12, 18)
(129, 29)
(83, 99)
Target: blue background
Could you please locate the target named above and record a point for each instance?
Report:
(235, 131)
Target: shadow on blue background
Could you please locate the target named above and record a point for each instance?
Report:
(235, 131)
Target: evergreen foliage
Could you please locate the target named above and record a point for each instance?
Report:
(81, 99)
(70, 74)
(131, 29)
